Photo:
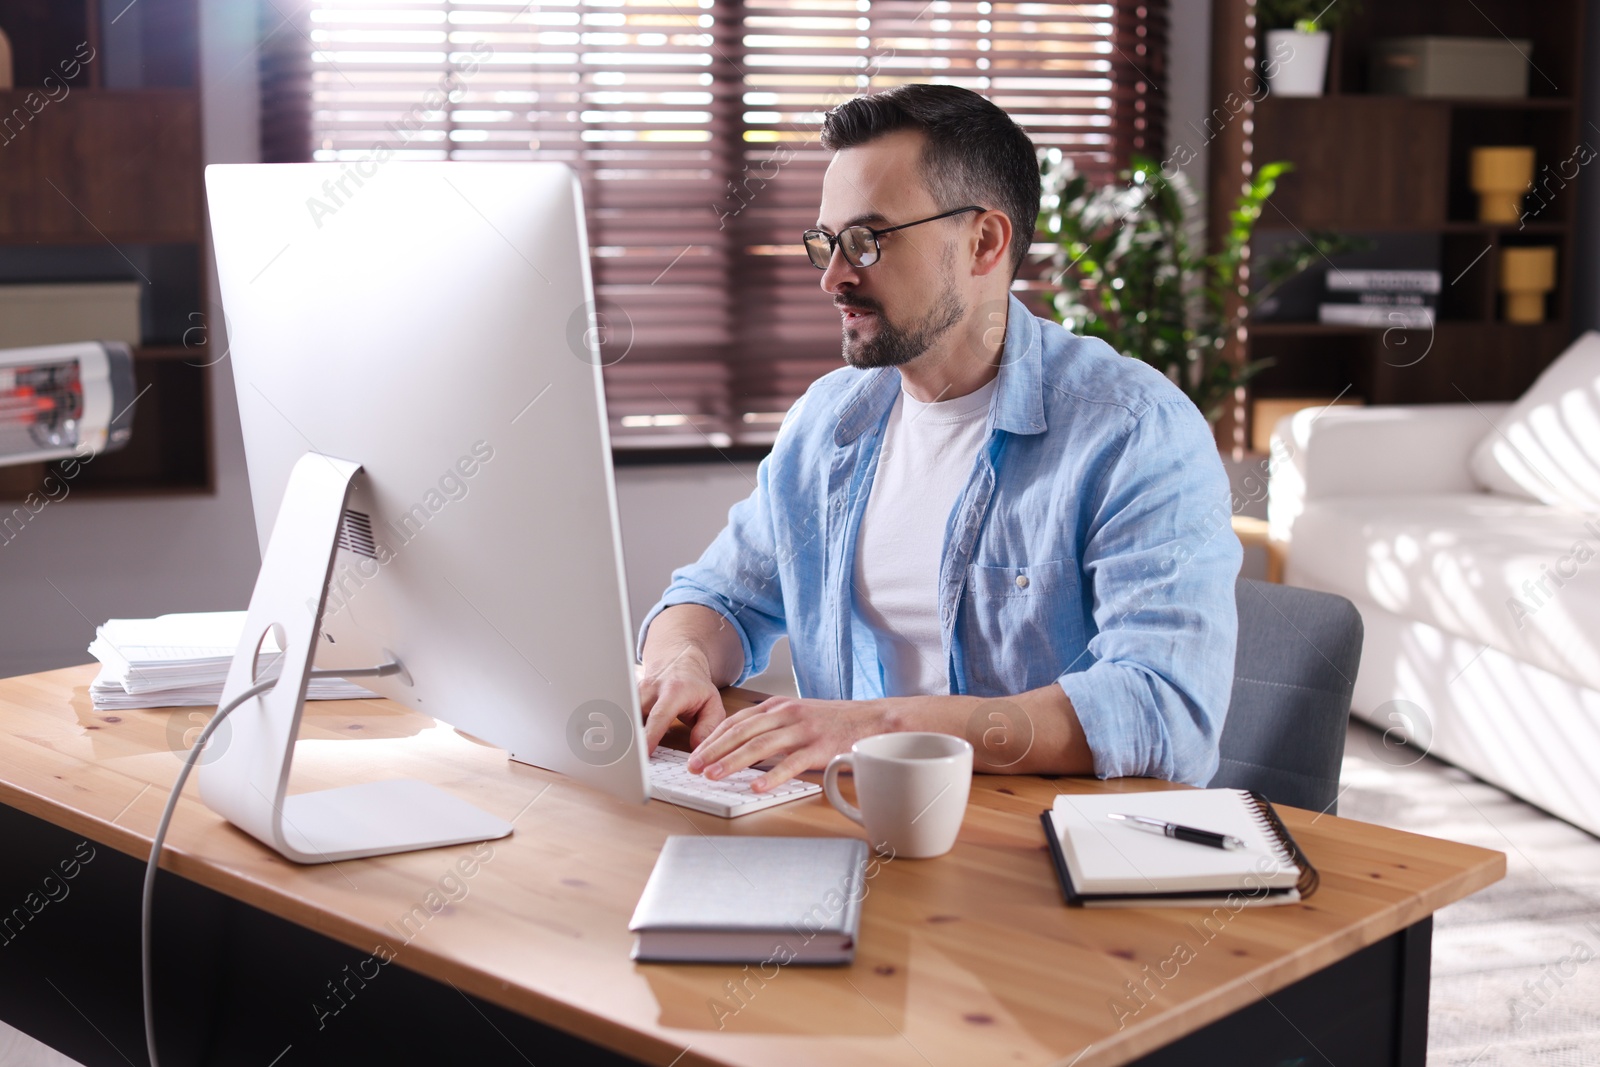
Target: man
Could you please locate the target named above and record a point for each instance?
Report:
(983, 526)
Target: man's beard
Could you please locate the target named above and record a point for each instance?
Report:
(892, 346)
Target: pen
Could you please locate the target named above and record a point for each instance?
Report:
(1182, 833)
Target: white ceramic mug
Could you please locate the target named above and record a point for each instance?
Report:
(912, 788)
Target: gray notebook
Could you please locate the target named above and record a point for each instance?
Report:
(752, 900)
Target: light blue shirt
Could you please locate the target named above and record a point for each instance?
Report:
(1092, 547)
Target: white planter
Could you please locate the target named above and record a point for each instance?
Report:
(1296, 63)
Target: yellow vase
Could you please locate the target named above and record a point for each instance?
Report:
(1500, 177)
(1526, 275)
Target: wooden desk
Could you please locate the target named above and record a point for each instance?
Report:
(966, 959)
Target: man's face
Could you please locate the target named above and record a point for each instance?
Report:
(901, 306)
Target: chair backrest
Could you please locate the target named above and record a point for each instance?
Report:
(1292, 679)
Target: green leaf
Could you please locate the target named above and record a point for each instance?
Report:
(1130, 276)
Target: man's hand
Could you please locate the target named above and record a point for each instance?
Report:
(802, 734)
(680, 688)
(1036, 732)
(688, 649)
(691, 651)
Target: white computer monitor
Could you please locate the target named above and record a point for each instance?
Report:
(431, 324)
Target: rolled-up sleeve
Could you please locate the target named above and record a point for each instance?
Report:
(737, 577)
(1162, 559)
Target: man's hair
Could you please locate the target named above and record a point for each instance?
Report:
(973, 152)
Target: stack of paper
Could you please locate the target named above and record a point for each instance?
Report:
(181, 661)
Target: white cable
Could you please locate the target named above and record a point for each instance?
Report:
(147, 906)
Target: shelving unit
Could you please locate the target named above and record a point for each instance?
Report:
(103, 181)
(1396, 170)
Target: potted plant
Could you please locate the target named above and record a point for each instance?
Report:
(1296, 60)
(1132, 272)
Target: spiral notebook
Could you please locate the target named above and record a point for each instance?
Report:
(1106, 863)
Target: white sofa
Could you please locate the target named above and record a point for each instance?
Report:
(1465, 655)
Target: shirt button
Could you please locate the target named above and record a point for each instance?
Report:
(1022, 581)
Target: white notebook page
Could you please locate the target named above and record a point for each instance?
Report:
(1108, 856)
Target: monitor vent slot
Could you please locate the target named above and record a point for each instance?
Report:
(355, 534)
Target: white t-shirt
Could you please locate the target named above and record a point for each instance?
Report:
(924, 463)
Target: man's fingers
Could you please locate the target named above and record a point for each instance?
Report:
(721, 728)
(704, 727)
(734, 731)
(774, 740)
(656, 725)
(664, 711)
(786, 769)
(700, 707)
(649, 692)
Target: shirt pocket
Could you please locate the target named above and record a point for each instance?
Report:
(1025, 624)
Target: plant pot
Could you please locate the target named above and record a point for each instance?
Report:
(1526, 275)
(1500, 175)
(1296, 63)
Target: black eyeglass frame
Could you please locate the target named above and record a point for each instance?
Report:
(835, 240)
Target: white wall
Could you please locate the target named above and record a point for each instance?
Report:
(1188, 86)
(669, 515)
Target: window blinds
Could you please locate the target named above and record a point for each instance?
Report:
(692, 125)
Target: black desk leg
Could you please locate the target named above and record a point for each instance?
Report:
(1369, 1009)
(1416, 962)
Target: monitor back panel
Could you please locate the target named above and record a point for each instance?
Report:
(432, 323)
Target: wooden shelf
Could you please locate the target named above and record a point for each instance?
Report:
(1485, 361)
(1398, 169)
(118, 166)
(45, 35)
(1531, 103)
(1554, 27)
(182, 353)
(169, 452)
(1272, 328)
(104, 165)
(91, 238)
(1275, 224)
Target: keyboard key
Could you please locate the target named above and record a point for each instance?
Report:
(671, 781)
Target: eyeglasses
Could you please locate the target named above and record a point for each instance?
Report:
(860, 243)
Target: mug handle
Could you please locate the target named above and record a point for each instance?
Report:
(830, 786)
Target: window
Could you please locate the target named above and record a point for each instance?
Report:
(692, 124)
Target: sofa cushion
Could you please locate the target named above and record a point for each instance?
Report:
(1547, 446)
(1514, 575)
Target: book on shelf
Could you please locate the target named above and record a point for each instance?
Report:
(1384, 281)
(1382, 316)
(1380, 299)
(1385, 299)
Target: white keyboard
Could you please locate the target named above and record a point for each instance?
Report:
(728, 797)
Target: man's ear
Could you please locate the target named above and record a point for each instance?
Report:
(991, 248)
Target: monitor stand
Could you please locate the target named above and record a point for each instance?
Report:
(247, 778)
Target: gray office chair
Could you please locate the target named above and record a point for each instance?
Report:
(1292, 678)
